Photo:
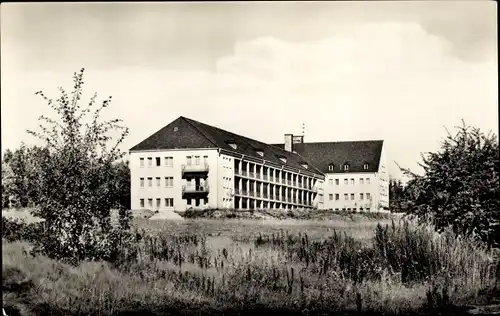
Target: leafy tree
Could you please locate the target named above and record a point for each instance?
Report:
(396, 195)
(22, 165)
(7, 184)
(75, 182)
(460, 186)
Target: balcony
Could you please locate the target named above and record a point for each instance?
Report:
(193, 169)
(195, 190)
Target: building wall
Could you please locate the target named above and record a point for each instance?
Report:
(226, 181)
(383, 180)
(175, 171)
(366, 182)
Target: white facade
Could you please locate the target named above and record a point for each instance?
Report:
(358, 191)
(152, 184)
(171, 180)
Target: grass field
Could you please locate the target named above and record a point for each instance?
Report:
(341, 265)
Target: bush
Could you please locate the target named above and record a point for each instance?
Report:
(19, 230)
(76, 185)
(460, 187)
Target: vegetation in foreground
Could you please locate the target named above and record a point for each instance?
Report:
(406, 268)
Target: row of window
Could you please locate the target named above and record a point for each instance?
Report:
(346, 181)
(169, 182)
(168, 161)
(331, 167)
(227, 183)
(169, 202)
(346, 196)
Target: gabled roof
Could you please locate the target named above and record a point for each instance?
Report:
(194, 134)
(354, 153)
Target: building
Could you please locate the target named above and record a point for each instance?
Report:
(356, 175)
(188, 164)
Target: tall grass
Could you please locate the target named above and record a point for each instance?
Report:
(406, 267)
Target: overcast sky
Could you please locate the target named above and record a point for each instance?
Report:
(398, 71)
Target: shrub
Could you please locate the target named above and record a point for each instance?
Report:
(19, 230)
(75, 180)
(460, 187)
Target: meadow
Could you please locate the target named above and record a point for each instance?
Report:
(342, 265)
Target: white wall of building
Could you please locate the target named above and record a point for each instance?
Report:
(163, 191)
(364, 186)
(383, 179)
(226, 181)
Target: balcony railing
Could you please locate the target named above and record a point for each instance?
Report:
(195, 188)
(195, 168)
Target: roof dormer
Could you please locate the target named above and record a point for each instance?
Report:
(365, 166)
(346, 167)
(331, 167)
(282, 158)
(232, 144)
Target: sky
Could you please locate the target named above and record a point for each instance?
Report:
(397, 71)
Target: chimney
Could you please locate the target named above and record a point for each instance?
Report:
(289, 142)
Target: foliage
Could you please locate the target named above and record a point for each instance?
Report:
(7, 183)
(460, 187)
(397, 195)
(19, 230)
(75, 182)
(21, 168)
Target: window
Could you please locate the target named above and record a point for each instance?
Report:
(169, 202)
(205, 160)
(346, 196)
(233, 145)
(142, 182)
(169, 161)
(197, 160)
(367, 180)
(158, 161)
(141, 162)
(330, 167)
(150, 182)
(361, 195)
(141, 202)
(283, 159)
(368, 197)
(365, 166)
(330, 197)
(346, 181)
(337, 196)
(188, 201)
(346, 167)
(150, 202)
(188, 159)
(361, 180)
(157, 181)
(150, 161)
(176, 129)
(352, 196)
(158, 203)
(330, 181)
(205, 201)
(352, 181)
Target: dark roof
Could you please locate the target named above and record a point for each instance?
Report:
(194, 134)
(354, 153)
